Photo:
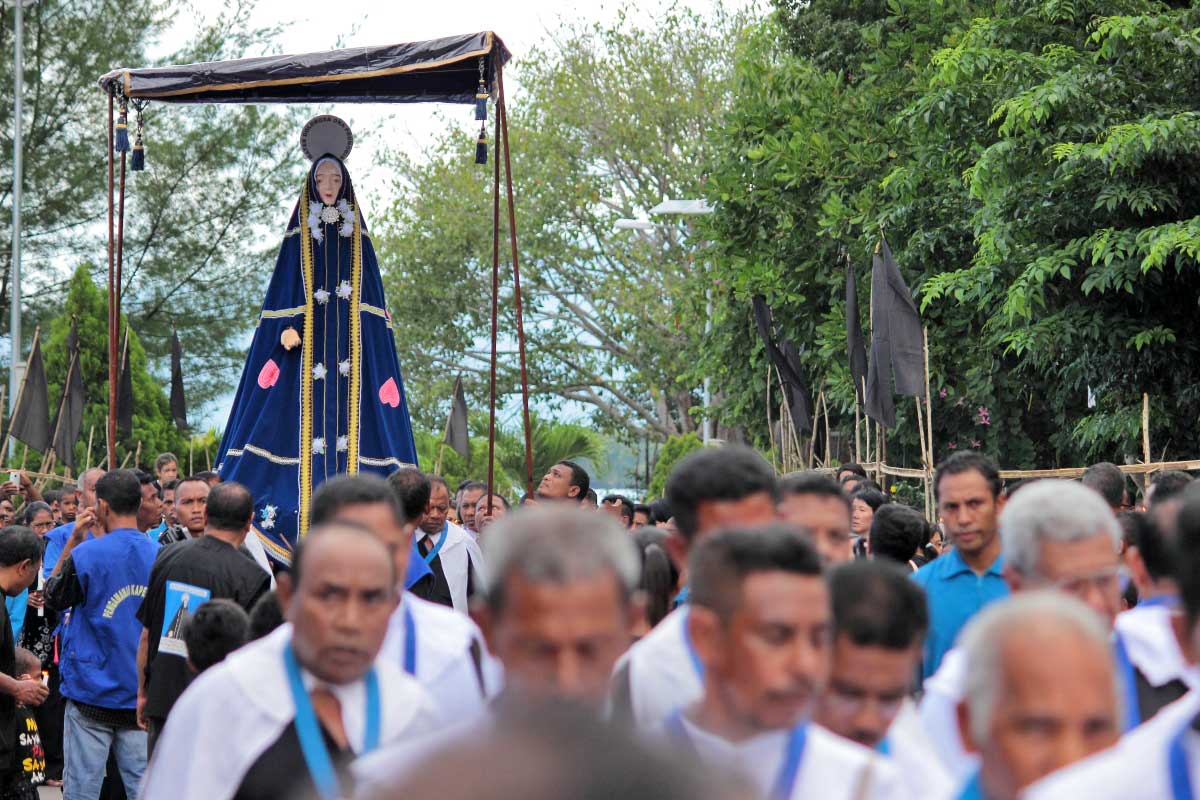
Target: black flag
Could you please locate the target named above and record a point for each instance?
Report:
(31, 418)
(125, 391)
(854, 335)
(70, 412)
(178, 403)
(897, 349)
(457, 435)
(786, 359)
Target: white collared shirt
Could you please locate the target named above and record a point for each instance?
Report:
(1135, 768)
(459, 557)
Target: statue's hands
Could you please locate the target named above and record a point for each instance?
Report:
(289, 339)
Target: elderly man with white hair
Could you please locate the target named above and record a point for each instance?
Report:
(1041, 691)
(1057, 535)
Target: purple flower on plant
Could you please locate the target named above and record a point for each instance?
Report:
(942, 393)
(984, 416)
(953, 445)
(976, 444)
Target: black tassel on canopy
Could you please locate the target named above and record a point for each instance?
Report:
(121, 142)
(137, 161)
(481, 146)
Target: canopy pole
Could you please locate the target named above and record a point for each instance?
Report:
(112, 300)
(491, 473)
(512, 237)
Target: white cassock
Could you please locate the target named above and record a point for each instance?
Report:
(254, 546)
(911, 750)
(388, 767)
(1149, 640)
(449, 658)
(233, 712)
(1137, 767)
(658, 675)
(831, 768)
(459, 557)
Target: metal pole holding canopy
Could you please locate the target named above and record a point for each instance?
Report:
(453, 69)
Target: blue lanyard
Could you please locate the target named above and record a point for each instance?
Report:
(308, 729)
(973, 789)
(437, 548)
(410, 642)
(1128, 677)
(884, 748)
(793, 754)
(1162, 601)
(1177, 763)
(697, 664)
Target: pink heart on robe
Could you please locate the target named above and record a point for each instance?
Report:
(389, 394)
(268, 374)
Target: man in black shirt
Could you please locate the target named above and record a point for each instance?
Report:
(20, 560)
(185, 575)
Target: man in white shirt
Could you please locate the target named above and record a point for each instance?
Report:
(1057, 535)
(760, 623)
(1041, 692)
(558, 610)
(879, 623)
(1161, 759)
(710, 489)
(436, 645)
(283, 716)
(451, 553)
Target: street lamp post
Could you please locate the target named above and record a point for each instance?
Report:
(693, 208)
(14, 377)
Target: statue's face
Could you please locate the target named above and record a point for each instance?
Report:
(329, 182)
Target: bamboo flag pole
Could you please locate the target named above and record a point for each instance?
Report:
(828, 437)
(770, 428)
(21, 392)
(1146, 427)
(137, 455)
(87, 461)
(928, 398)
(924, 460)
(191, 444)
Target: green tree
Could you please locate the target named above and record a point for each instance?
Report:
(153, 427)
(671, 454)
(215, 178)
(1032, 164)
(610, 121)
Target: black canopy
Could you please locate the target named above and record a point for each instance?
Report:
(434, 71)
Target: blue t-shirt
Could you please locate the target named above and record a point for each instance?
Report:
(954, 594)
(16, 613)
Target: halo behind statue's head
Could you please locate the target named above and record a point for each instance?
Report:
(326, 135)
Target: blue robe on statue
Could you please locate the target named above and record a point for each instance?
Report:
(333, 404)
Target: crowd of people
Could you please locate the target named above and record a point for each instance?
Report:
(745, 636)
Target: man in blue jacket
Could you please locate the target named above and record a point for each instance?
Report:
(102, 581)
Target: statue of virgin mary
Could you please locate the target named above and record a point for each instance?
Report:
(321, 393)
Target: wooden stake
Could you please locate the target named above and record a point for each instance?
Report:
(1146, 427)
(125, 460)
(828, 437)
(208, 458)
(87, 461)
(137, 454)
(191, 444)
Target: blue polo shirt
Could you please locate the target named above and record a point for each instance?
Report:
(955, 594)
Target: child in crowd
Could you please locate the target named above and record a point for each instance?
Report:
(29, 756)
(217, 628)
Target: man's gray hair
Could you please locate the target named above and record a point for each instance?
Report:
(1056, 511)
(84, 474)
(557, 544)
(985, 637)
